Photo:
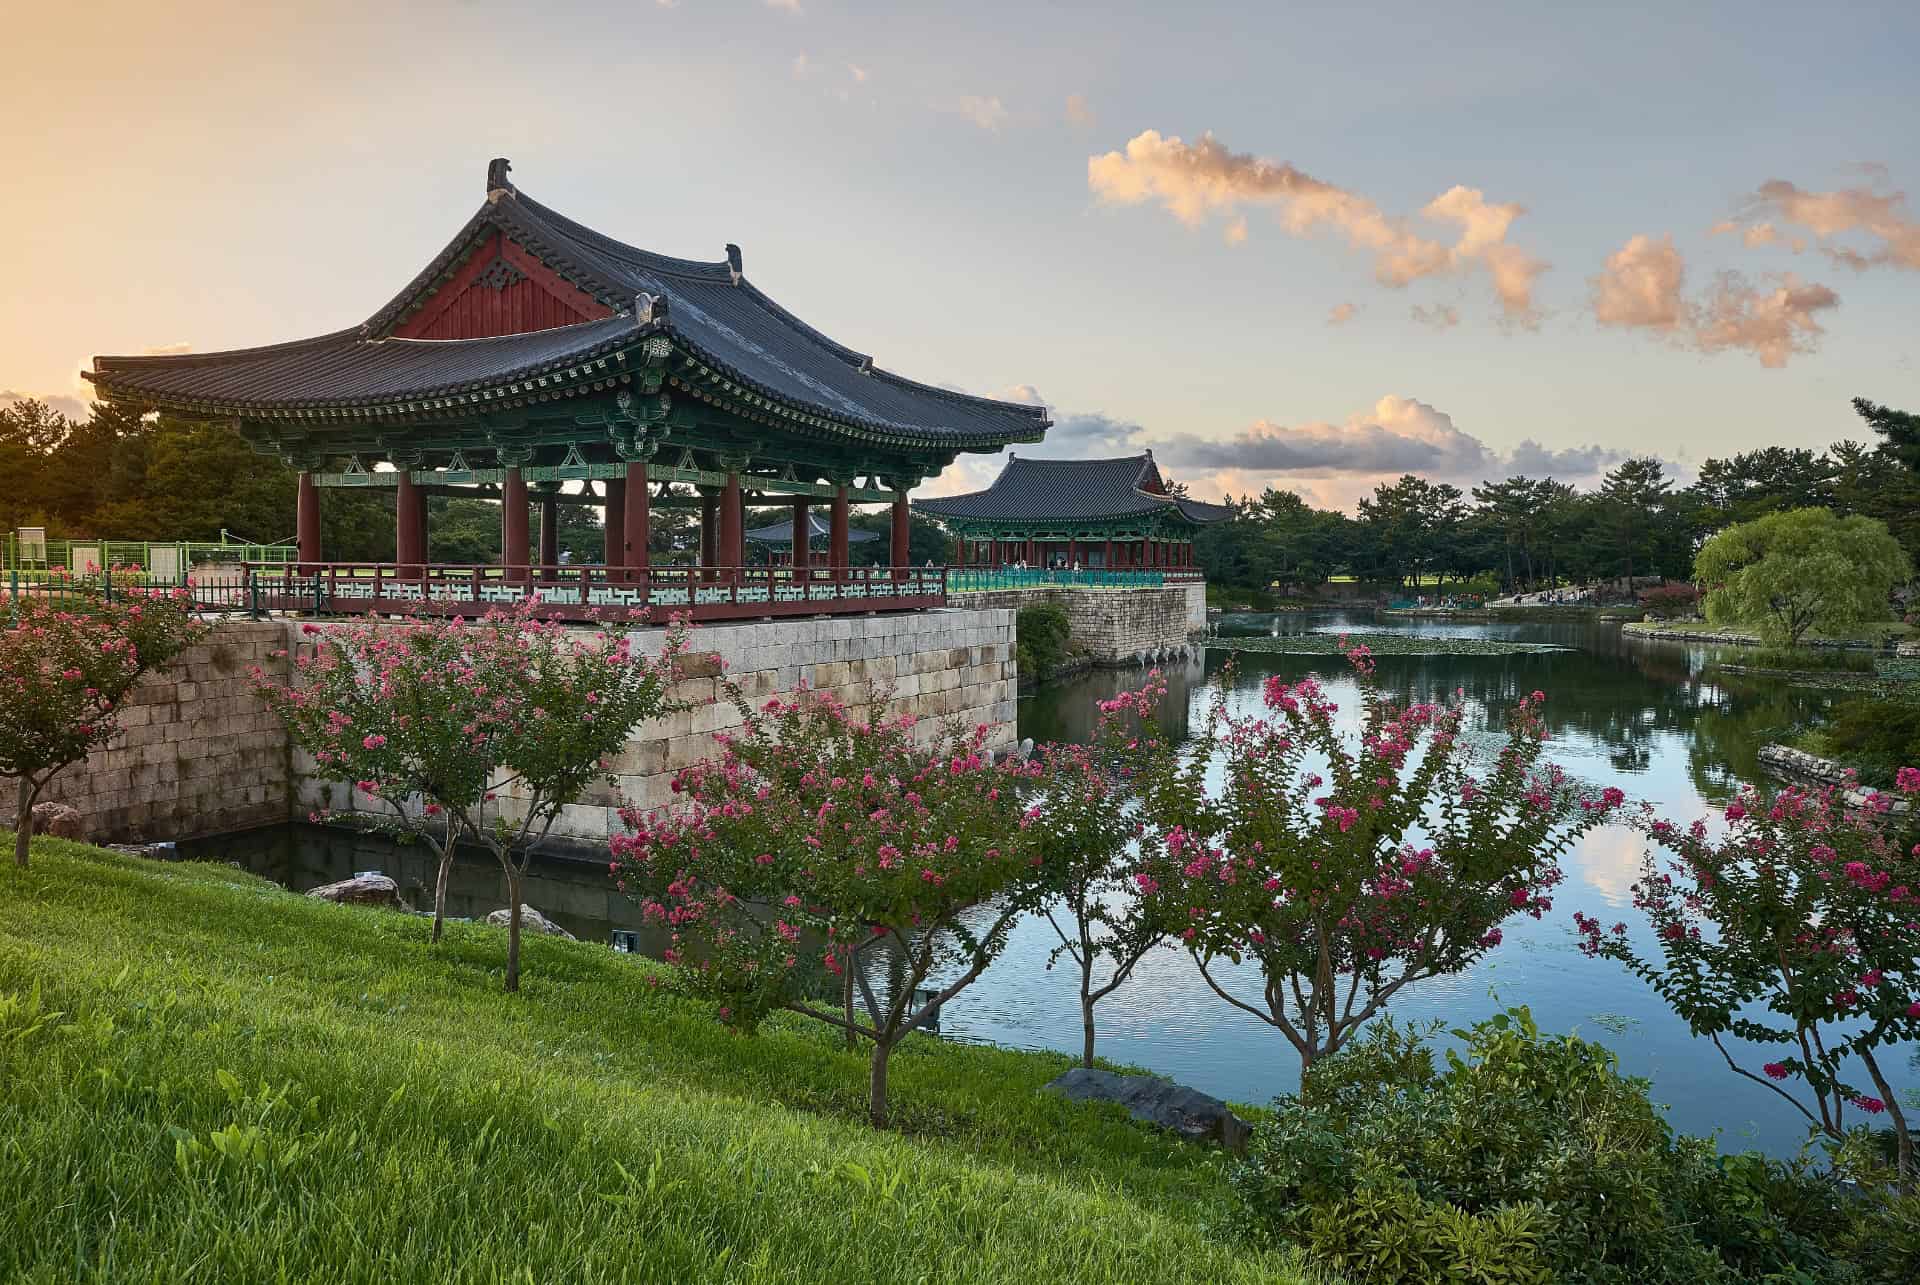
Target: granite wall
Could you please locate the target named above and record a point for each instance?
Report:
(1115, 626)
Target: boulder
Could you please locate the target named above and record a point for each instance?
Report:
(59, 821)
(368, 888)
(1187, 1112)
(531, 921)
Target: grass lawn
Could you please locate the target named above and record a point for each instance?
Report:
(206, 1078)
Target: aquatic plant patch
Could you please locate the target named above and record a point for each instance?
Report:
(1382, 644)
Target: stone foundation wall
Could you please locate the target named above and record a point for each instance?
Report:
(201, 753)
(1115, 626)
(937, 665)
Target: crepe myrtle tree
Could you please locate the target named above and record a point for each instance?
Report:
(65, 673)
(819, 834)
(1799, 928)
(1089, 821)
(433, 720)
(1303, 862)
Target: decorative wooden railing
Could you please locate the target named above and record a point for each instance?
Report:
(990, 579)
(587, 592)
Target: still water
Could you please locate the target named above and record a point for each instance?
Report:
(1640, 716)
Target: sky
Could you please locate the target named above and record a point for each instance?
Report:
(1309, 246)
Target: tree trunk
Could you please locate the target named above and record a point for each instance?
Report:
(846, 1001)
(23, 824)
(1902, 1136)
(440, 891)
(1086, 1027)
(513, 927)
(877, 1083)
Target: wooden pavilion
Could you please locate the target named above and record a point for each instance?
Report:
(1112, 515)
(534, 352)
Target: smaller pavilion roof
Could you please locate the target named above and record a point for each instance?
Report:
(1030, 490)
(782, 532)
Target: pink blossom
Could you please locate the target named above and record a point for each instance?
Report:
(373, 742)
(1775, 1071)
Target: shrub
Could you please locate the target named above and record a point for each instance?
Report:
(64, 674)
(818, 840)
(430, 720)
(1528, 1158)
(1671, 601)
(1797, 930)
(1874, 736)
(1347, 864)
(1041, 636)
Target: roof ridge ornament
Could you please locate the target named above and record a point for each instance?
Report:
(866, 364)
(650, 308)
(497, 180)
(734, 268)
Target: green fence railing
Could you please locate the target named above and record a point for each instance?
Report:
(26, 559)
(988, 579)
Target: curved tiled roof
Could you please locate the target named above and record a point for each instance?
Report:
(817, 528)
(345, 368)
(713, 313)
(1030, 490)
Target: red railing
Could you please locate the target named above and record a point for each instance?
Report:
(582, 592)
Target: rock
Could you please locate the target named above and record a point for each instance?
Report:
(531, 921)
(368, 888)
(152, 851)
(1798, 765)
(58, 821)
(1148, 1098)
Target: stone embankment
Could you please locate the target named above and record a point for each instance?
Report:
(1115, 626)
(1800, 767)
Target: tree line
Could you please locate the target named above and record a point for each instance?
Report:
(1525, 533)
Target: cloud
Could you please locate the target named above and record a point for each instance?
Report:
(858, 73)
(74, 408)
(789, 6)
(1643, 287)
(802, 67)
(1440, 317)
(1078, 112)
(166, 350)
(1892, 236)
(1341, 313)
(1197, 181)
(988, 113)
(1335, 464)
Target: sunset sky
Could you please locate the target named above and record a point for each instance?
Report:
(1299, 245)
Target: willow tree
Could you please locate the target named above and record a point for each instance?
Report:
(1787, 573)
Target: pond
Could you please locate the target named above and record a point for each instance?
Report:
(1642, 716)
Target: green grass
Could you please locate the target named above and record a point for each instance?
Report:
(206, 1078)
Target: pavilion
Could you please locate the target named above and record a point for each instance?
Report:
(534, 352)
(780, 535)
(1112, 514)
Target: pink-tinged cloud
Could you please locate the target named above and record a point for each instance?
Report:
(1198, 181)
(1341, 313)
(1079, 112)
(1333, 465)
(1643, 287)
(1878, 219)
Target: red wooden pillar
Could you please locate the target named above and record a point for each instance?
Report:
(638, 528)
(409, 521)
(549, 531)
(1106, 557)
(732, 552)
(709, 535)
(513, 522)
(1073, 551)
(307, 521)
(837, 534)
(615, 521)
(899, 551)
(802, 537)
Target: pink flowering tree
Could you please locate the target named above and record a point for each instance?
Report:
(1798, 928)
(820, 838)
(435, 722)
(1347, 866)
(65, 673)
(1088, 821)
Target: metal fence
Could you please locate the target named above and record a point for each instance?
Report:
(27, 557)
(989, 579)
